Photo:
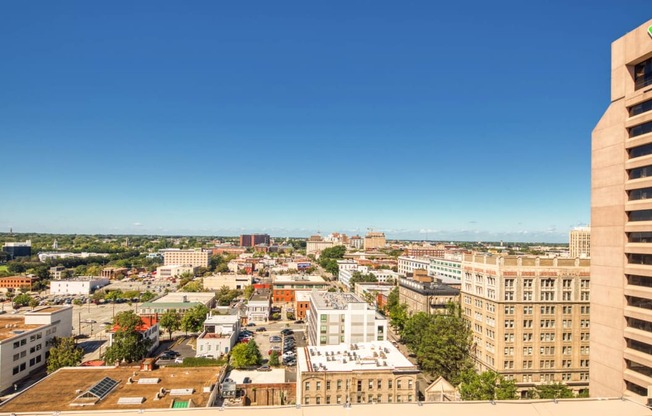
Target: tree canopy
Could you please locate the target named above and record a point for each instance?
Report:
(488, 385)
(64, 353)
(245, 355)
(128, 343)
(170, 321)
(193, 319)
(551, 391)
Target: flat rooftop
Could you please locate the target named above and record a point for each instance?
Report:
(276, 376)
(178, 297)
(380, 355)
(11, 326)
(333, 300)
(297, 278)
(69, 383)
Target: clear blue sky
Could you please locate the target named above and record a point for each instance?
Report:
(468, 120)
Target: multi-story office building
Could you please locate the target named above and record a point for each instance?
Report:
(371, 372)
(316, 244)
(336, 317)
(284, 286)
(415, 250)
(251, 240)
(82, 285)
(17, 282)
(447, 268)
(374, 240)
(24, 341)
(174, 270)
(529, 317)
(195, 258)
(579, 242)
(621, 225)
(19, 249)
(407, 264)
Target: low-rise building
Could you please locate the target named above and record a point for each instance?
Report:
(408, 264)
(178, 302)
(428, 295)
(83, 285)
(17, 282)
(262, 388)
(56, 272)
(363, 372)
(219, 336)
(447, 268)
(25, 341)
(285, 286)
(195, 258)
(337, 317)
(301, 304)
(114, 272)
(174, 270)
(259, 306)
(232, 281)
(148, 329)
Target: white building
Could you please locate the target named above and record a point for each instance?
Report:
(382, 275)
(579, 242)
(259, 306)
(385, 275)
(336, 317)
(24, 341)
(219, 336)
(447, 268)
(195, 258)
(408, 264)
(173, 270)
(232, 281)
(84, 285)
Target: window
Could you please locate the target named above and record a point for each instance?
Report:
(643, 74)
(509, 310)
(642, 215)
(328, 399)
(389, 385)
(527, 337)
(398, 384)
(317, 400)
(640, 108)
(527, 296)
(306, 386)
(318, 385)
(306, 400)
(527, 310)
(642, 172)
(527, 323)
(568, 309)
(328, 385)
(640, 129)
(339, 384)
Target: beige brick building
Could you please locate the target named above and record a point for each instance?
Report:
(195, 258)
(529, 317)
(621, 225)
(370, 372)
(579, 242)
(374, 240)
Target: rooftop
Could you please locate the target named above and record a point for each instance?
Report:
(333, 300)
(11, 326)
(298, 278)
(276, 376)
(371, 356)
(177, 297)
(69, 383)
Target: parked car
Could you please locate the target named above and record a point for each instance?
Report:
(251, 324)
(264, 368)
(246, 380)
(299, 321)
(178, 360)
(261, 329)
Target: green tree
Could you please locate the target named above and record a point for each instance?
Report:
(245, 355)
(551, 391)
(147, 296)
(22, 299)
(488, 385)
(398, 316)
(193, 286)
(359, 277)
(114, 295)
(128, 343)
(33, 303)
(193, 319)
(170, 321)
(64, 353)
(248, 291)
(273, 359)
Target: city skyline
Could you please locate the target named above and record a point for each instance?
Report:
(439, 122)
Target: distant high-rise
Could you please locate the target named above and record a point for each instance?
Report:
(374, 240)
(15, 250)
(579, 243)
(621, 226)
(250, 240)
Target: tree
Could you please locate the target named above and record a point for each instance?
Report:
(551, 391)
(128, 343)
(147, 296)
(488, 385)
(273, 359)
(193, 286)
(170, 321)
(248, 291)
(193, 319)
(245, 355)
(22, 299)
(33, 303)
(398, 316)
(64, 353)
(359, 277)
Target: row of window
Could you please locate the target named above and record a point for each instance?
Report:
(378, 383)
(548, 337)
(23, 366)
(378, 398)
(547, 323)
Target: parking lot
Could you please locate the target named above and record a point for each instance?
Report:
(274, 329)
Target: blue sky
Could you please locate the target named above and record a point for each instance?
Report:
(468, 120)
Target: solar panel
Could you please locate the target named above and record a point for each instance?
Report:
(104, 387)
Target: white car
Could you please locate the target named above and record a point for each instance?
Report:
(178, 360)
